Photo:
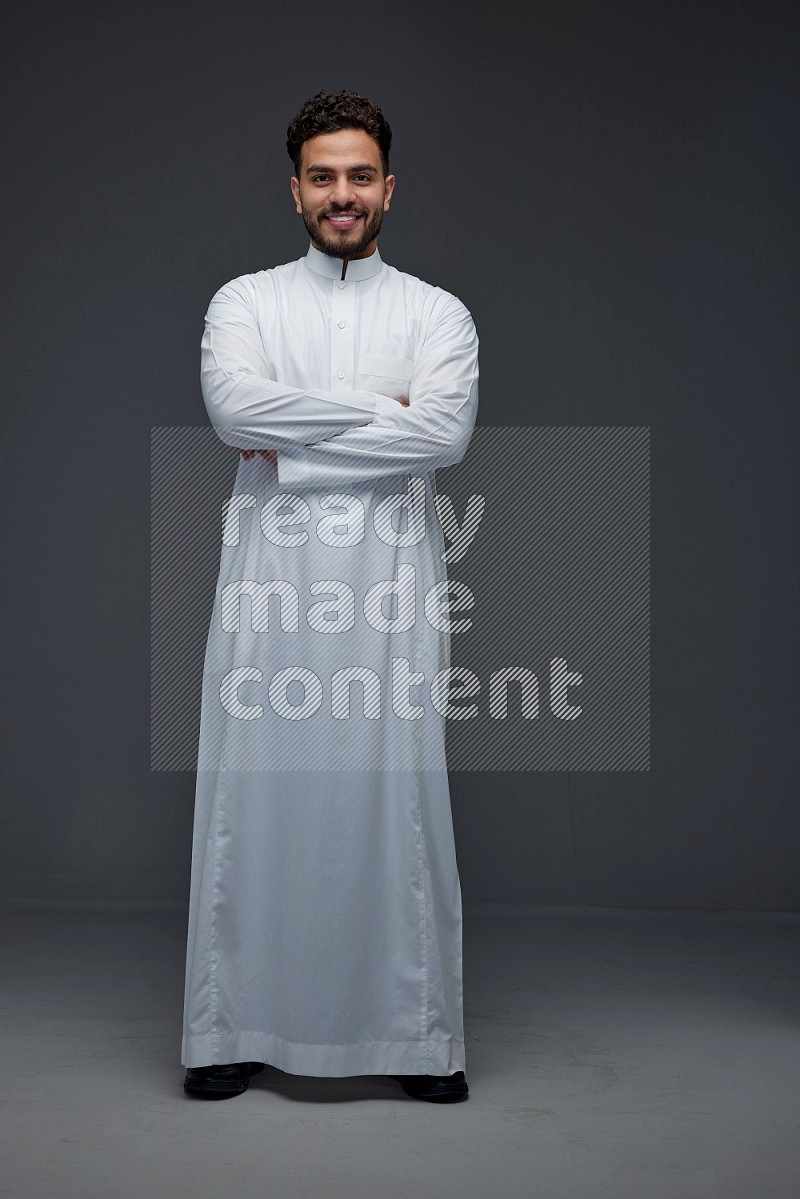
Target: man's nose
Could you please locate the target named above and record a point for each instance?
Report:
(343, 192)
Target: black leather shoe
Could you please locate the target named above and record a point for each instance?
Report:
(220, 1082)
(446, 1088)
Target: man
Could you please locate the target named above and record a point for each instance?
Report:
(325, 926)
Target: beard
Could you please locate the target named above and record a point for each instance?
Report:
(342, 245)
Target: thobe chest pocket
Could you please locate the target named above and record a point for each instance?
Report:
(386, 374)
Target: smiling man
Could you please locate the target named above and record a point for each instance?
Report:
(343, 189)
(325, 919)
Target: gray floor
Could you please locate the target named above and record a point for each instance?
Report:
(609, 1053)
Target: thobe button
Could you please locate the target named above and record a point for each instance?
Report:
(341, 324)
(341, 285)
(340, 374)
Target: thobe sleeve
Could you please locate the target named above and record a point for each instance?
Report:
(250, 410)
(433, 431)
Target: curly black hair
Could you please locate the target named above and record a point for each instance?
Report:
(328, 112)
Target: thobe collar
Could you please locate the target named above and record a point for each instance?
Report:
(357, 268)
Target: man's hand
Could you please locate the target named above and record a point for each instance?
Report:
(270, 455)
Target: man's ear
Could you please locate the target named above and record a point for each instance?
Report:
(388, 184)
(294, 183)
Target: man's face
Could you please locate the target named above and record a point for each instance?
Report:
(341, 175)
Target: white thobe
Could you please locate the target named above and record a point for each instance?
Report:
(325, 925)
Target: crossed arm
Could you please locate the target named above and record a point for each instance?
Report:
(320, 436)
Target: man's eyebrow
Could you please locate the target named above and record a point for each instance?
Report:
(362, 166)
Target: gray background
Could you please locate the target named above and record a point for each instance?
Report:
(609, 189)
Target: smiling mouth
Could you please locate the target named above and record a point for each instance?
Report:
(343, 220)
